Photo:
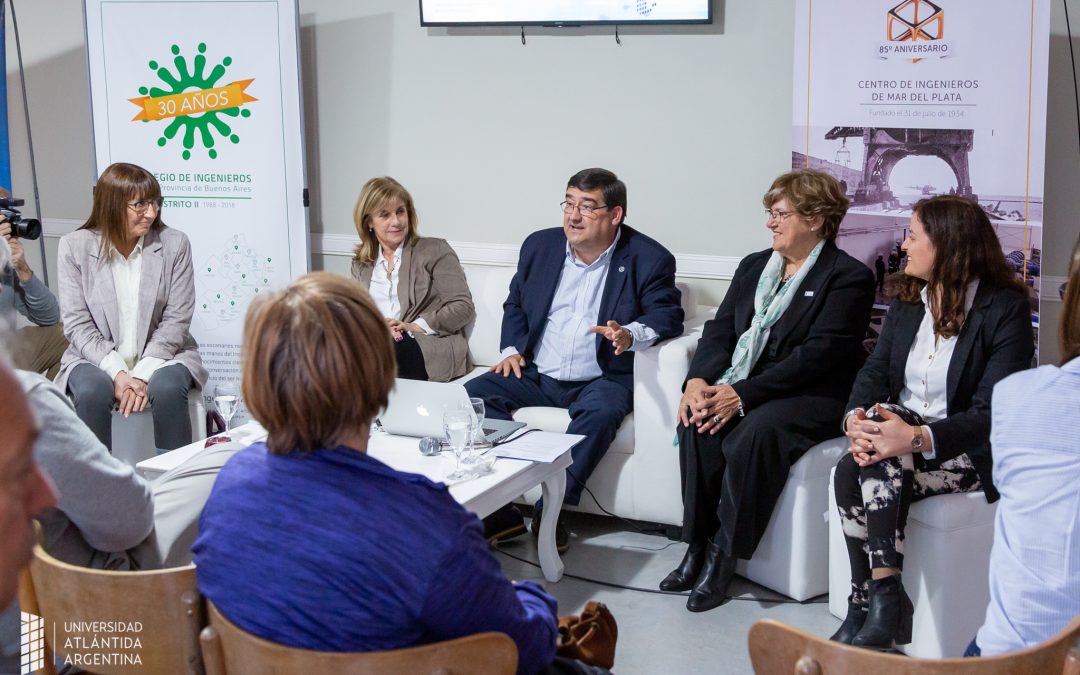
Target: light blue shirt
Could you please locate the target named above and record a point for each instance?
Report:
(1035, 560)
(567, 348)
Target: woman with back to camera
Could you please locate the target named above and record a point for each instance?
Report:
(959, 323)
(127, 296)
(417, 283)
(768, 380)
(308, 541)
(1035, 561)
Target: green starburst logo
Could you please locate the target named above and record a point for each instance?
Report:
(194, 101)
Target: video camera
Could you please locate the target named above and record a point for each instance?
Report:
(22, 228)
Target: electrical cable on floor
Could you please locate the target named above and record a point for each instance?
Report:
(654, 591)
(632, 524)
(1072, 59)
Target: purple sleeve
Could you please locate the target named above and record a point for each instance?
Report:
(469, 595)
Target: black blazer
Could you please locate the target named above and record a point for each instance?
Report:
(640, 286)
(995, 341)
(816, 346)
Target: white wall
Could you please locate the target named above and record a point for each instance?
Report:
(485, 131)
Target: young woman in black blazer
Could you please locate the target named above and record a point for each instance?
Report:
(960, 321)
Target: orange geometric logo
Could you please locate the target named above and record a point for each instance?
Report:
(916, 20)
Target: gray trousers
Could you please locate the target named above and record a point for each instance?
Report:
(92, 392)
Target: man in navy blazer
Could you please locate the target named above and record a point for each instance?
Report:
(584, 299)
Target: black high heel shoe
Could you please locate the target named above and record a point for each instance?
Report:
(712, 584)
(853, 623)
(888, 622)
(682, 578)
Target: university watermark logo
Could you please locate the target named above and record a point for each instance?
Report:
(194, 102)
(31, 643)
(915, 30)
(89, 645)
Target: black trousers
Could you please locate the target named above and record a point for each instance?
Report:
(873, 502)
(732, 480)
(92, 392)
(410, 360)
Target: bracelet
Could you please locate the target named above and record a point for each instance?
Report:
(843, 422)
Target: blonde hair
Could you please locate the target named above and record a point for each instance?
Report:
(318, 362)
(375, 194)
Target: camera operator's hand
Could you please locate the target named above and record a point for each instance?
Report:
(18, 256)
(131, 393)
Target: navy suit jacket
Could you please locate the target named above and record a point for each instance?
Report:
(640, 287)
(995, 341)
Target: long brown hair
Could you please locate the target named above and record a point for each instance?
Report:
(375, 194)
(119, 184)
(966, 248)
(1069, 325)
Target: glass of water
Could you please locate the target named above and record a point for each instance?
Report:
(227, 400)
(458, 425)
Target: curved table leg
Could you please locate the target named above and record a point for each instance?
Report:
(554, 488)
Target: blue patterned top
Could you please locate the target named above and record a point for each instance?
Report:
(335, 551)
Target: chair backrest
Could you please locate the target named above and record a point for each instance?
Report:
(116, 622)
(230, 650)
(778, 649)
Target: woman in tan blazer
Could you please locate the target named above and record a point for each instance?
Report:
(127, 295)
(416, 282)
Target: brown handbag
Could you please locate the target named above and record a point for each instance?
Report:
(591, 637)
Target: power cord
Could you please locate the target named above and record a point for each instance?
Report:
(611, 584)
(634, 526)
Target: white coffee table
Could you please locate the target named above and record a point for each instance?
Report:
(483, 495)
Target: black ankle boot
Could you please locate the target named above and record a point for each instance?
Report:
(853, 623)
(712, 584)
(682, 578)
(888, 622)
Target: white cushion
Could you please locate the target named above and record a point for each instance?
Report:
(953, 512)
(558, 419)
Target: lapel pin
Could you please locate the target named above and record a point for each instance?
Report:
(621, 268)
(809, 294)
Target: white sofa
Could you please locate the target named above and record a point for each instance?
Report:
(638, 478)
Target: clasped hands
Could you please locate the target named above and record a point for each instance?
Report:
(708, 406)
(399, 328)
(130, 392)
(872, 441)
(619, 336)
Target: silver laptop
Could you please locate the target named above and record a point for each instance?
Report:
(416, 409)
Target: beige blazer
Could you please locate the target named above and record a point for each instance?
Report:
(432, 286)
(91, 313)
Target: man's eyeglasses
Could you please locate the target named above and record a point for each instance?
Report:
(777, 214)
(586, 210)
(140, 207)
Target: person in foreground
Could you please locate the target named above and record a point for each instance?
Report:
(768, 380)
(959, 323)
(416, 282)
(309, 542)
(127, 296)
(1035, 560)
(585, 297)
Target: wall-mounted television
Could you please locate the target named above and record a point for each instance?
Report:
(562, 12)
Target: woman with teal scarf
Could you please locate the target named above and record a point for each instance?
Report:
(768, 381)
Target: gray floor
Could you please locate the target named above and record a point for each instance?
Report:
(656, 632)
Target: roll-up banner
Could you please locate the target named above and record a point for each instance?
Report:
(906, 100)
(205, 94)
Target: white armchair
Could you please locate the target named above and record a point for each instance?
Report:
(638, 478)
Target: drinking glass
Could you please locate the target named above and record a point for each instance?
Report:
(458, 425)
(477, 405)
(227, 400)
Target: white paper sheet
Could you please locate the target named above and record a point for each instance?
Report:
(538, 446)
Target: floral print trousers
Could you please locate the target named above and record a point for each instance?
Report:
(873, 502)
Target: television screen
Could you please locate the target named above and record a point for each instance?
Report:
(562, 12)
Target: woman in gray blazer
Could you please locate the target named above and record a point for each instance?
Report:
(127, 295)
(416, 282)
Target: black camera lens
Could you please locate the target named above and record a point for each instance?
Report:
(26, 228)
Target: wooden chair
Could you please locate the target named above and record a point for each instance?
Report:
(230, 650)
(162, 609)
(778, 649)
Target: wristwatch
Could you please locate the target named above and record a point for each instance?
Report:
(916, 439)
